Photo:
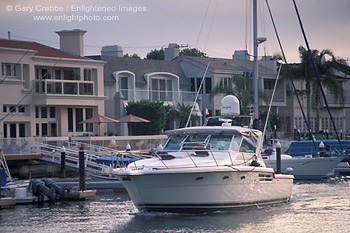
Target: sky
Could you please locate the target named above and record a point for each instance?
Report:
(216, 27)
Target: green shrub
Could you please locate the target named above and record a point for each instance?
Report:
(153, 111)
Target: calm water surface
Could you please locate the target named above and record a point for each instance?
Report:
(322, 206)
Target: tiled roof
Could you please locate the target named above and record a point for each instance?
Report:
(226, 64)
(42, 50)
(140, 67)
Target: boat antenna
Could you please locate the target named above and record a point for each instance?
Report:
(290, 75)
(199, 90)
(317, 75)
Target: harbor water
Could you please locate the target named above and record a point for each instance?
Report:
(317, 206)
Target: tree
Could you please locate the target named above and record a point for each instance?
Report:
(156, 54)
(132, 56)
(325, 70)
(192, 52)
(242, 88)
(181, 113)
(153, 111)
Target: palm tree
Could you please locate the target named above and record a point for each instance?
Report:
(325, 69)
(181, 112)
(242, 88)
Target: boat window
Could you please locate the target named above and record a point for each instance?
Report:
(195, 141)
(247, 147)
(220, 142)
(236, 143)
(196, 138)
(174, 142)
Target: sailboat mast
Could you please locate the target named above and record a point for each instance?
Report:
(255, 70)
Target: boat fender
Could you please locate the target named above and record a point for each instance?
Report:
(289, 170)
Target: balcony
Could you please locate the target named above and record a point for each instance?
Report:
(279, 98)
(332, 101)
(165, 96)
(66, 87)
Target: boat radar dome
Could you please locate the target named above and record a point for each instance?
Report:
(230, 106)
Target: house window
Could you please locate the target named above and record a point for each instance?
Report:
(78, 118)
(195, 84)
(5, 130)
(12, 108)
(9, 70)
(52, 112)
(58, 74)
(87, 75)
(37, 130)
(22, 130)
(71, 75)
(53, 129)
(88, 115)
(268, 84)
(161, 90)
(44, 129)
(4, 108)
(43, 112)
(21, 108)
(13, 131)
(225, 83)
(70, 119)
(45, 74)
(36, 112)
(207, 85)
(124, 87)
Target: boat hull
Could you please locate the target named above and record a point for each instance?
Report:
(307, 168)
(189, 191)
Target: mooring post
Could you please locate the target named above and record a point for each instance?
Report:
(278, 158)
(81, 168)
(63, 162)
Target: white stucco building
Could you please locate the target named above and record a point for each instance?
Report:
(47, 92)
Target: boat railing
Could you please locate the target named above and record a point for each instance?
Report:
(329, 151)
(164, 156)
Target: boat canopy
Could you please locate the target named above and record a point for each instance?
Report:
(332, 148)
(214, 138)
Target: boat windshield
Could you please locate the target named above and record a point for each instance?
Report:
(204, 142)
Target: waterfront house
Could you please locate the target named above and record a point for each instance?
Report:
(131, 79)
(46, 91)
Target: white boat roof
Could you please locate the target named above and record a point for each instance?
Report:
(213, 129)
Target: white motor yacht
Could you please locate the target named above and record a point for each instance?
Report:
(206, 168)
(305, 167)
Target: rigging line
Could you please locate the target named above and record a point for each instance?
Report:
(30, 91)
(199, 90)
(3, 80)
(211, 24)
(268, 112)
(205, 15)
(316, 73)
(290, 74)
(246, 25)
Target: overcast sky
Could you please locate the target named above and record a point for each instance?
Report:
(217, 27)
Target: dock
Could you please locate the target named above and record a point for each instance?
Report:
(69, 183)
(7, 201)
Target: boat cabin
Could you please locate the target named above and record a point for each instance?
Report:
(214, 138)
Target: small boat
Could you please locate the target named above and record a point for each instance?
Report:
(304, 167)
(206, 168)
(306, 160)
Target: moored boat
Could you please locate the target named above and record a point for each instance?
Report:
(206, 168)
